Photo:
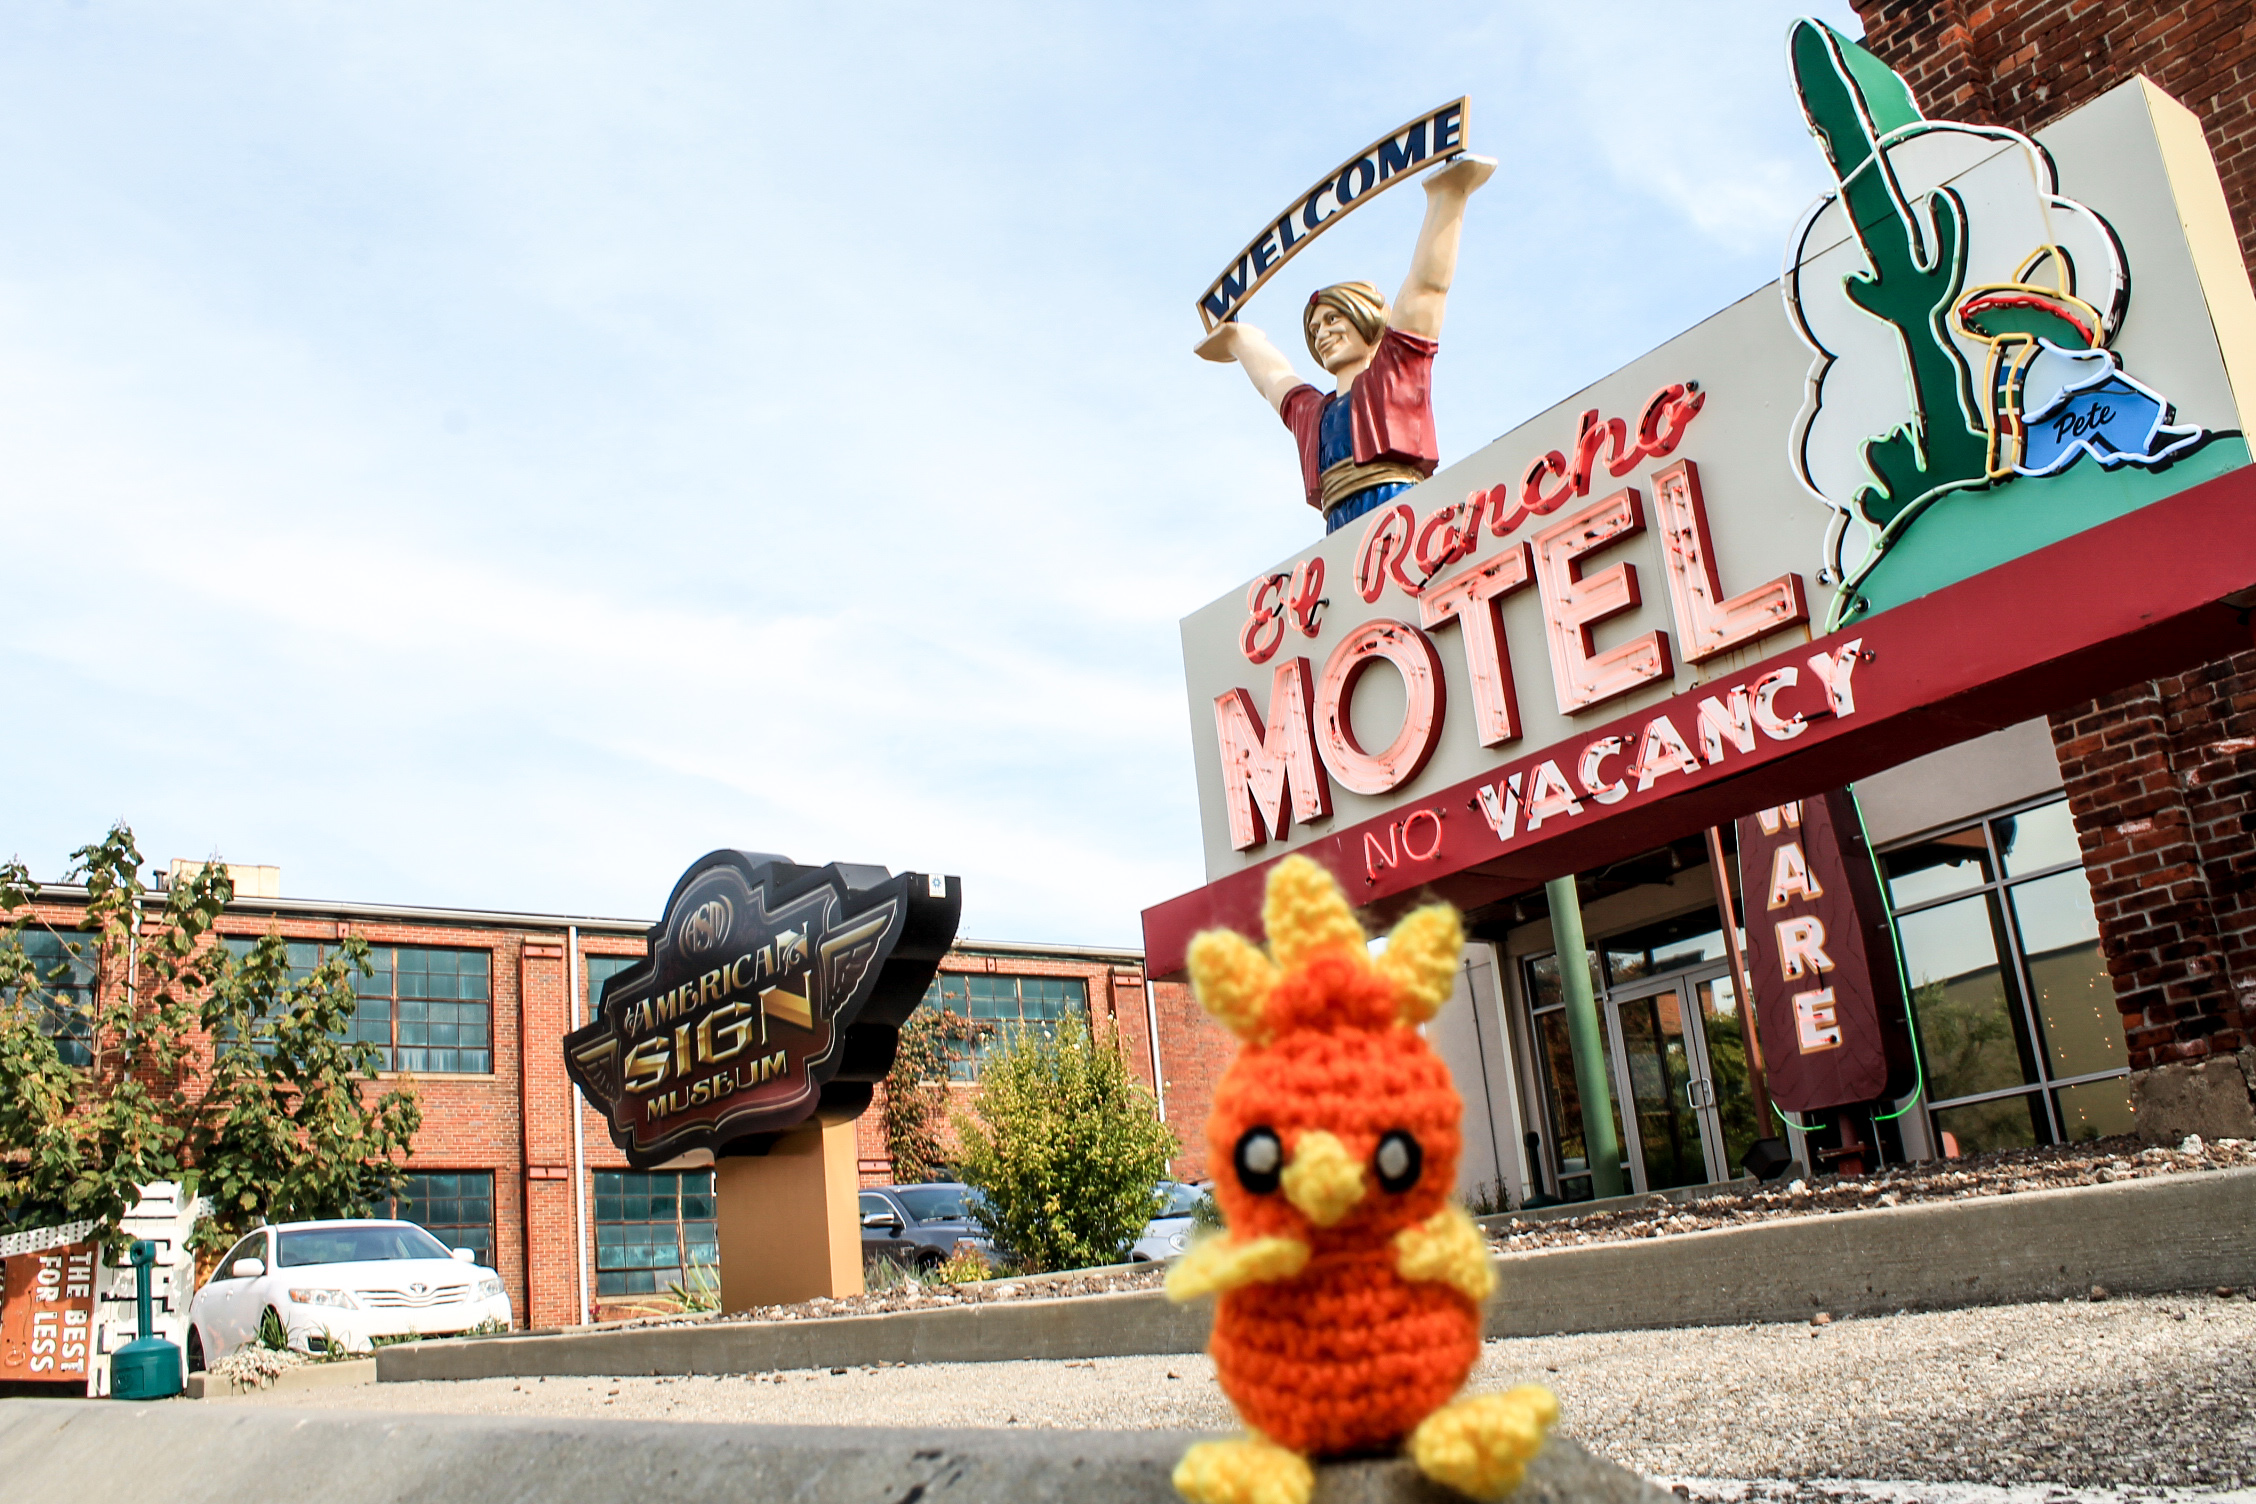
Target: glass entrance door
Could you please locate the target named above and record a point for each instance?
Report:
(1669, 1029)
(1731, 1121)
(1657, 1078)
(1683, 1071)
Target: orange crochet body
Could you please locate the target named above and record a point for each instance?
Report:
(1347, 1356)
(1349, 1280)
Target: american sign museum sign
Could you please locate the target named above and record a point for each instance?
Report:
(1977, 454)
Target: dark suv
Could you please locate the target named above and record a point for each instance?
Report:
(918, 1226)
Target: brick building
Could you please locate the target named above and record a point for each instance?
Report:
(2161, 774)
(1012, 988)
(2074, 896)
(472, 1006)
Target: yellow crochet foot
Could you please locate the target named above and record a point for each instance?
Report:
(1250, 1471)
(1483, 1445)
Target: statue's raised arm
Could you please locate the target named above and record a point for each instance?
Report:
(1373, 436)
(1433, 265)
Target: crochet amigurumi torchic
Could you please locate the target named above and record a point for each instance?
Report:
(1350, 1280)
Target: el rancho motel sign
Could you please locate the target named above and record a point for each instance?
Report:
(1977, 454)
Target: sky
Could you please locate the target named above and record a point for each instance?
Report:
(490, 455)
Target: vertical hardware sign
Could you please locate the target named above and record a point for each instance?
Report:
(1828, 1001)
(771, 991)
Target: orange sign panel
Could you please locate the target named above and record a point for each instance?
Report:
(47, 1315)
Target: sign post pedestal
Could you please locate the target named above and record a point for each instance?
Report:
(810, 1177)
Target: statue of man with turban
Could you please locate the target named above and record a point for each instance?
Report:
(1373, 437)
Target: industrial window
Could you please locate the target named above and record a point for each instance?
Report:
(64, 966)
(454, 1206)
(650, 1226)
(1008, 1007)
(426, 1010)
(601, 969)
(2018, 1032)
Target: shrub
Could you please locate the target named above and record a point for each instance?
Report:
(916, 1091)
(699, 1289)
(1065, 1149)
(966, 1266)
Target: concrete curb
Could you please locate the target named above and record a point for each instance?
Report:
(2173, 1232)
(1092, 1326)
(49, 1449)
(2168, 1232)
(289, 1381)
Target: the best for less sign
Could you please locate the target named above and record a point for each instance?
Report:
(47, 1314)
(1624, 619)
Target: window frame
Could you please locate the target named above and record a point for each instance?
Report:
(397, 1204)
(388, 1050)
(1996, 891)
(684, 1247)
(65, 1007)
(966, 1058)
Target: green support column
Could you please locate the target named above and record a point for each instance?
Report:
(1599, 1143)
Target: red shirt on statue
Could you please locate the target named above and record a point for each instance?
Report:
(1390, 409)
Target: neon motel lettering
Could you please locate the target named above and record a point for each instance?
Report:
(1733, 722)
(1278, 767)
(1402, 842)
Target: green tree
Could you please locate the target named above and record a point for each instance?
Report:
(277, 1128)
(916, 1090)
(1065, 1148)
(80, 1140)
(283, 1131)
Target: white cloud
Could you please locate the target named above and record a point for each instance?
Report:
(491, 456)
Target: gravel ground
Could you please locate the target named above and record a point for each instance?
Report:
(916, 1295)
(2100, 1162)
(2139, 1393)
(2096, 1163)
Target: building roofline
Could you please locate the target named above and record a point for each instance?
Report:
(321, 908)
(1033, 948)
(317, 908)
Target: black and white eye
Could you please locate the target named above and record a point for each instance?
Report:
(1398, 1161)
(1260, 1156)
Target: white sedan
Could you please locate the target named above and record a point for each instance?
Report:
(1168, 1235)
(344, 1283)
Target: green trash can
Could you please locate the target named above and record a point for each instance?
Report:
(147, 1368)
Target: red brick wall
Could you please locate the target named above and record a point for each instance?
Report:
(2022, 64)
(2162, 780)
(1194, 1050)
(2160, 773)
(516, 1123)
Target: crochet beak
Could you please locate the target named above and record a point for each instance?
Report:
(1324, 1181)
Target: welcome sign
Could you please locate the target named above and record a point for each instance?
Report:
(771, 991)
(1432, 138)
(1979, 453)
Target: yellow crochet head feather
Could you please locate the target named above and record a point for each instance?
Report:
(1307, 916)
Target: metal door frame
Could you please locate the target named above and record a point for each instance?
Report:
(1685, 984)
